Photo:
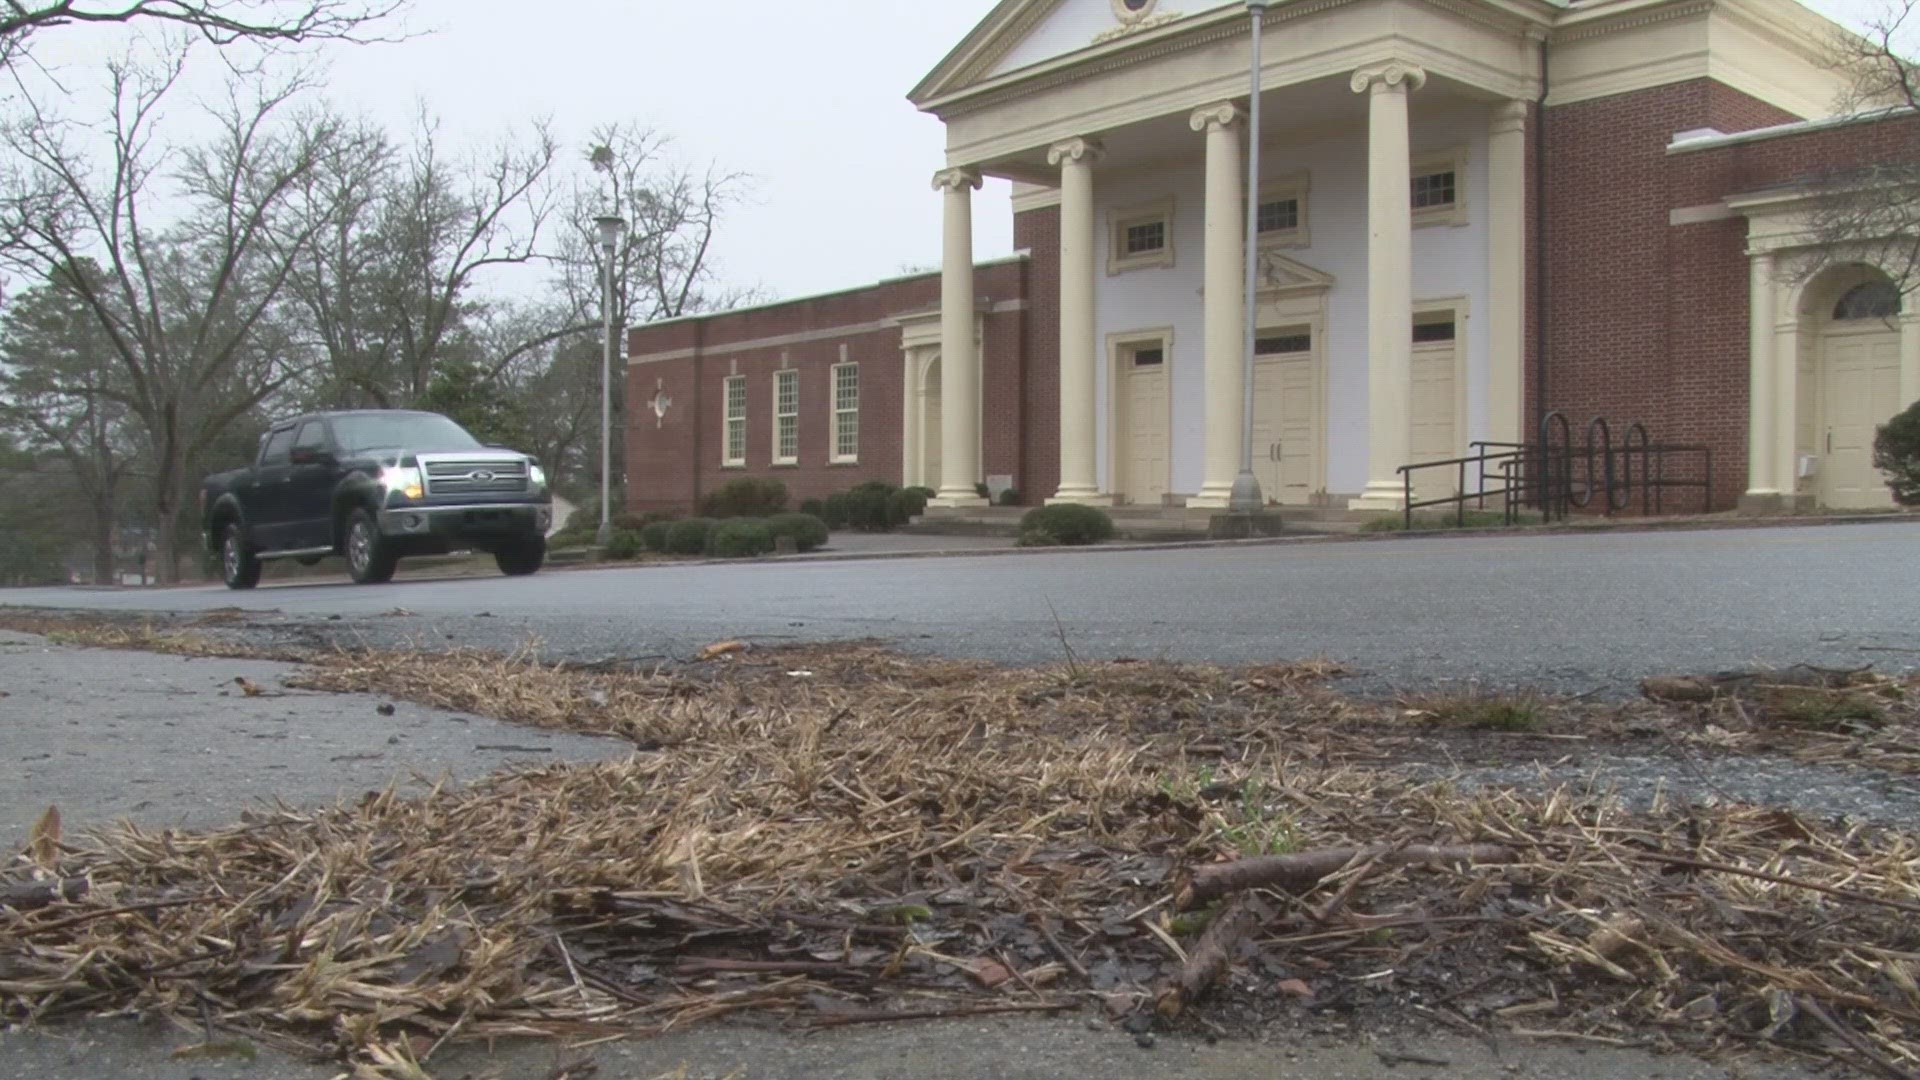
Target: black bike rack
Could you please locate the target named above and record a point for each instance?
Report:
(1555, 476)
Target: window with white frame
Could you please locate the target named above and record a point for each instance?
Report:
(846, 413)
(1141, 236)
(786, 417)
(1283, 213)
(734, 448)
(1438, 190)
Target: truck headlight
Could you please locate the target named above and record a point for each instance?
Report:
(404, 481)
(536, 475)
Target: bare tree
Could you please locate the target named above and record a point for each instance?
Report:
(195, 245)
(222, 22)
(385, 284)
(1868, 209)
(58, 395)
(662, 266)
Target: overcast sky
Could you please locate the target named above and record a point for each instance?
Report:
(807, 96)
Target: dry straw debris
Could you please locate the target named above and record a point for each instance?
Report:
(840, 835)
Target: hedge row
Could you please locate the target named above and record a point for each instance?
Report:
(727, 538)
(875, 506)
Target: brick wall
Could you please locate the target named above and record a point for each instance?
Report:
(672, 461)
(1647, 322)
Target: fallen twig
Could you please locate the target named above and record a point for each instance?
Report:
(1883, 1064)
(1781, 879)
(1300, 872)
(1208, 961)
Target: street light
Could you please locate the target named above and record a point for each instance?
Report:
(611, 226)
(1246, 497)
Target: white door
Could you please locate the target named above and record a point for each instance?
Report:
(1859, 391)
(1434, 434)
(1286, 455)
(1142, 453)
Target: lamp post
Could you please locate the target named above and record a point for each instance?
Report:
(610, 229)
(1246, 497)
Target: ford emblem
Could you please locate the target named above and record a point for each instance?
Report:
(480, 476)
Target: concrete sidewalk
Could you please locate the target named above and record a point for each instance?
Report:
(170, 740)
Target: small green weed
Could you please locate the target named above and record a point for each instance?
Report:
(1823, 710)
(1478, 711)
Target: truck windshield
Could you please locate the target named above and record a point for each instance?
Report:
(360, 433)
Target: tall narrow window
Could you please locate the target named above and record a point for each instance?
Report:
(786, 417)
(846, 412)
(736, 425)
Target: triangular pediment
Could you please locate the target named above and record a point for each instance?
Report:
(1020, 34)
(1280, 274)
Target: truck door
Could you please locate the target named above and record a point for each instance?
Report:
(263, 495)
(314, 470)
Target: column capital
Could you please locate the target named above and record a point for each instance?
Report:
(1509, 117)
(1388, 77)
(1075, 150)
(956, 179)
(1222, 115)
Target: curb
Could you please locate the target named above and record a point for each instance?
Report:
(1599, 526)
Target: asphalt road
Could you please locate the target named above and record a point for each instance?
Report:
(1567, 612)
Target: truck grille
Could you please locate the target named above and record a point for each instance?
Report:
(455, 477)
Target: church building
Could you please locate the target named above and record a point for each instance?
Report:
(1471, 213)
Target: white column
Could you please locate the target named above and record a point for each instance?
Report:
(959, 353)
(910, 418)
(1225, 308)
(1389, 279)
(1910, 354)
(1507, 270)
(1079, 482)
(1762, 413)
(1786, 397)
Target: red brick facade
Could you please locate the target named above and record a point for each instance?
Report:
(1647, 320)
(676, 458)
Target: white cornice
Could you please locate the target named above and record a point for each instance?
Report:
(1782, 131)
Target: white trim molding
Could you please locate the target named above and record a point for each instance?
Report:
(1454, 160)
(1123, 219)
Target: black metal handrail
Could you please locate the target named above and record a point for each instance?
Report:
(1555, 476)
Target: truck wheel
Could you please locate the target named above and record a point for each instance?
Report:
(370, 559)
(522, 556)
(238, 566)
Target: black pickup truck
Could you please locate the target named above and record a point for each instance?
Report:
(375, 486)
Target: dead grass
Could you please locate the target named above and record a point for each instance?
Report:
(827, 832)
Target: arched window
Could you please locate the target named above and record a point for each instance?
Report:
(1872, 300)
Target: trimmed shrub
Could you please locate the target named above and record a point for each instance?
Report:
(837, 510)
(870, 507)
(815, 507)
(1065, 523)
(624, 544)
(926, 493)
(1896, 452)
(808, 531)
(689, 537)
(578, 533)
(745, 497)
(654, 536)
(983, 491)
(739, 538)
(627, 519)
(1010, 497)
(908, 504)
